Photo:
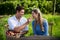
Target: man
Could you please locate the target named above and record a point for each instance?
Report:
(18, 23)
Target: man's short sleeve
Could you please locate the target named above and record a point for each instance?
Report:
(26, 28)
(11, 24)
(24, 21)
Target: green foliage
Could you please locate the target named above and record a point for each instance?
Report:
(46, 6)
(9, 6)
(58, 6)
(2, 33)
(6, 8)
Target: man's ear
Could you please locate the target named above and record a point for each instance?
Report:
(17, 11)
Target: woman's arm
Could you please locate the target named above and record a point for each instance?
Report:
(34, 31)
(45, 24)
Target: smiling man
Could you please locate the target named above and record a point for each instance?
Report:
(18, 23)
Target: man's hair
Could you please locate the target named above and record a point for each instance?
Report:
(19, 8)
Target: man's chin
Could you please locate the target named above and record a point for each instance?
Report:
(20, 15)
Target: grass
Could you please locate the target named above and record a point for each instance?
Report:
(55, 19)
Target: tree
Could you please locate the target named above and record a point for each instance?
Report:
(54, 7)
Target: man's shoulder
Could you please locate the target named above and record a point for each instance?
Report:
(24, 18)
(11, 18)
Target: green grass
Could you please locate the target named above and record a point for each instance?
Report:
(55, 19)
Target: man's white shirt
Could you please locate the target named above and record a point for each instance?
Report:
(13, 22)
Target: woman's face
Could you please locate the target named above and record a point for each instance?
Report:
(35, 15)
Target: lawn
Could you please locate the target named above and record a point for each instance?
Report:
(55, 19)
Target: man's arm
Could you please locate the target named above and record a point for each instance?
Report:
(18, 29)
(13, 26)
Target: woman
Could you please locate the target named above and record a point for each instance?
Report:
(39, 24)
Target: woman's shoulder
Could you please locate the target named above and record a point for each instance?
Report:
(33, 22)
(45, 20)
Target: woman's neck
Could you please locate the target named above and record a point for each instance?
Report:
(37, 20)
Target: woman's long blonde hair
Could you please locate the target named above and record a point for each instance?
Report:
(37, 11)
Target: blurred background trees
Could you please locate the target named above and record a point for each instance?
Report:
(46, 6)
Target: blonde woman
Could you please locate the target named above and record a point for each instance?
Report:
(39, 24)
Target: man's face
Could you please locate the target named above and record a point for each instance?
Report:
(20, 13)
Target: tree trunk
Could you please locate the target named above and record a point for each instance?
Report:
(54, 7)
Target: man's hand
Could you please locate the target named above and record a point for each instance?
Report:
(29, 20)
(23, 32)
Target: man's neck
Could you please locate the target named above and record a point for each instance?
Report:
(18, 17)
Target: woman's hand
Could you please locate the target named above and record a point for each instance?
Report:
(42, 29)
